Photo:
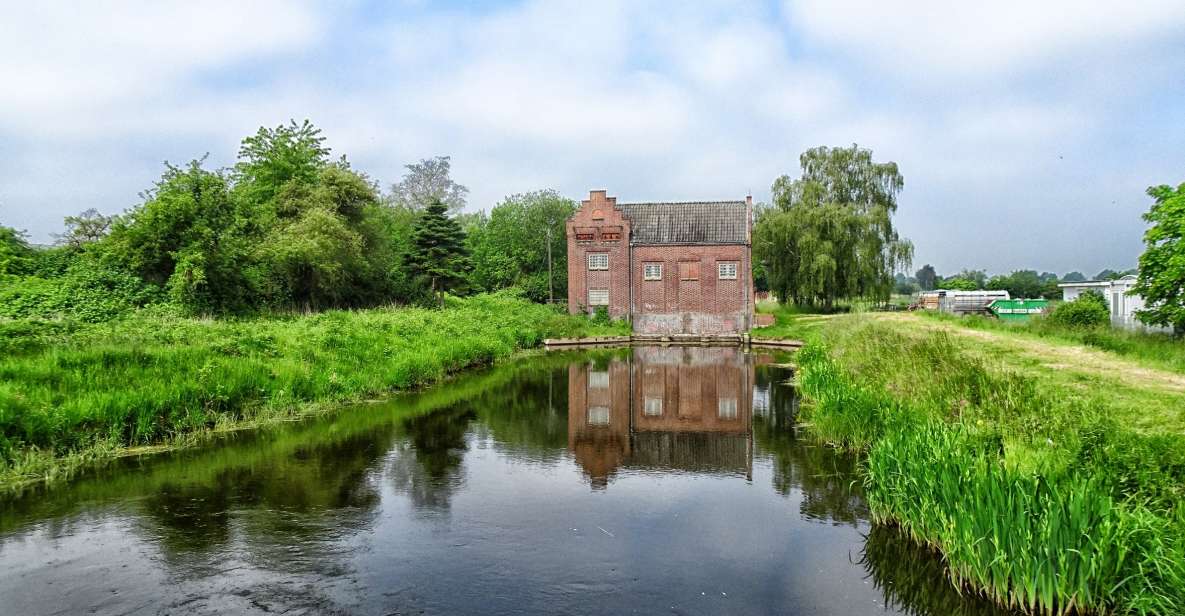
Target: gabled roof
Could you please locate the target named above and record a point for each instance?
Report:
(687, 222)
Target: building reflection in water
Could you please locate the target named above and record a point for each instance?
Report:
(670, 408)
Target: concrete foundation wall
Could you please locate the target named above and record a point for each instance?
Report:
(692, 323)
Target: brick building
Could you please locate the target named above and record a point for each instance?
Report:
(670, 268)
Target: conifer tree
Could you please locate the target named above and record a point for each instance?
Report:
(438, 256)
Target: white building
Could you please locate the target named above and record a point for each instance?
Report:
(1122, 301)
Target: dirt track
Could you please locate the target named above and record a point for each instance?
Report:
(1059, 356)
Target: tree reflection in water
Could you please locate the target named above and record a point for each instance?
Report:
(426, 465)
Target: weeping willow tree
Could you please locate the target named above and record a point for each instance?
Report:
(829, 235)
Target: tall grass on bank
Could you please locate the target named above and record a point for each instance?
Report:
(1033, 494)
(67, 388)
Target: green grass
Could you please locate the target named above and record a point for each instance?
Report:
(1034, 487)
(71, 393)
(1153, 349)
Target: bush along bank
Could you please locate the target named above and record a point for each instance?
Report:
(72, 392)
(1032, 493)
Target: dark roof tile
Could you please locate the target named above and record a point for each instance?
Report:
(692, 222)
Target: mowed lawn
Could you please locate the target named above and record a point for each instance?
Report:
(1142, 394)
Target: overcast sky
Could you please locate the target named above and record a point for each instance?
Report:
(1027, 131)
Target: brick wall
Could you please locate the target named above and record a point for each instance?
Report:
(708, 305)
(599, 217)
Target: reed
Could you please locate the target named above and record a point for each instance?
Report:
(1036, 498)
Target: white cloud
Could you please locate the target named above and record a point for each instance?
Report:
(651, 101)
(977, 39)
(69, 68)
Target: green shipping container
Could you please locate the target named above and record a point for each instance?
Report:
(1018, 309)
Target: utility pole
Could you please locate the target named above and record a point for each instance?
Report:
(550, 293)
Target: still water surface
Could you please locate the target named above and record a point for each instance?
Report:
(647, 480)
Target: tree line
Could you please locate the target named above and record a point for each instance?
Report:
(1019, 283)
(288, 226)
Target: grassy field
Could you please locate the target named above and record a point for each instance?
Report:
(1050, 474)
(1150, 349)
(71, 393)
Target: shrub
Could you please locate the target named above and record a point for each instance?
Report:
(601, 315)
(1089, 310)
(89, 291)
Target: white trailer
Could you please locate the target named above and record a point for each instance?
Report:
(960, 302)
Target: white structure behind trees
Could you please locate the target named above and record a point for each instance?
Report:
(1120, 301)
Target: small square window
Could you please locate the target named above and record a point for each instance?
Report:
(727, 408)
(598, 297)
(653, 407)
(598, 379)
(726, 270)
(652, 271)
(689, 270)
(598, 415)
(598, 261)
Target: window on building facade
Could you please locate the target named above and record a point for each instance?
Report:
(598, 415)
(610, 234)
(726, 270)
(598, 297)
(652, 271)
(689, 270)
(598, 261)
(727, 408)
(598, 379)
(653, 407)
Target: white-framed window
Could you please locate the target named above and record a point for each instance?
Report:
(652, 271)
(653, 407)
(598, 260)
(598, 297)
(598, 415)
(727, 408)
(598, 378)
(726, 270)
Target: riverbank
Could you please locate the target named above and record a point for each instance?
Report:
(1049, 477)
(72, 394)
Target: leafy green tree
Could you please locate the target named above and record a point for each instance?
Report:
(510, 248)
(312, 257)
(927, 278)
(1161, 278)
(439, 257)
(1074, 277)
(977, 277)
(86, 228)
(1108, 274)
(1024, 284)
(191, 237)
(273, 158)
(829, 234)
(905, 285)
(426, 182)
(16, 256)
(958, 283)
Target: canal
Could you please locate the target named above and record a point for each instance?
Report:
(646, 480)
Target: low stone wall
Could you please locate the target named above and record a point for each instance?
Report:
(691, 323)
